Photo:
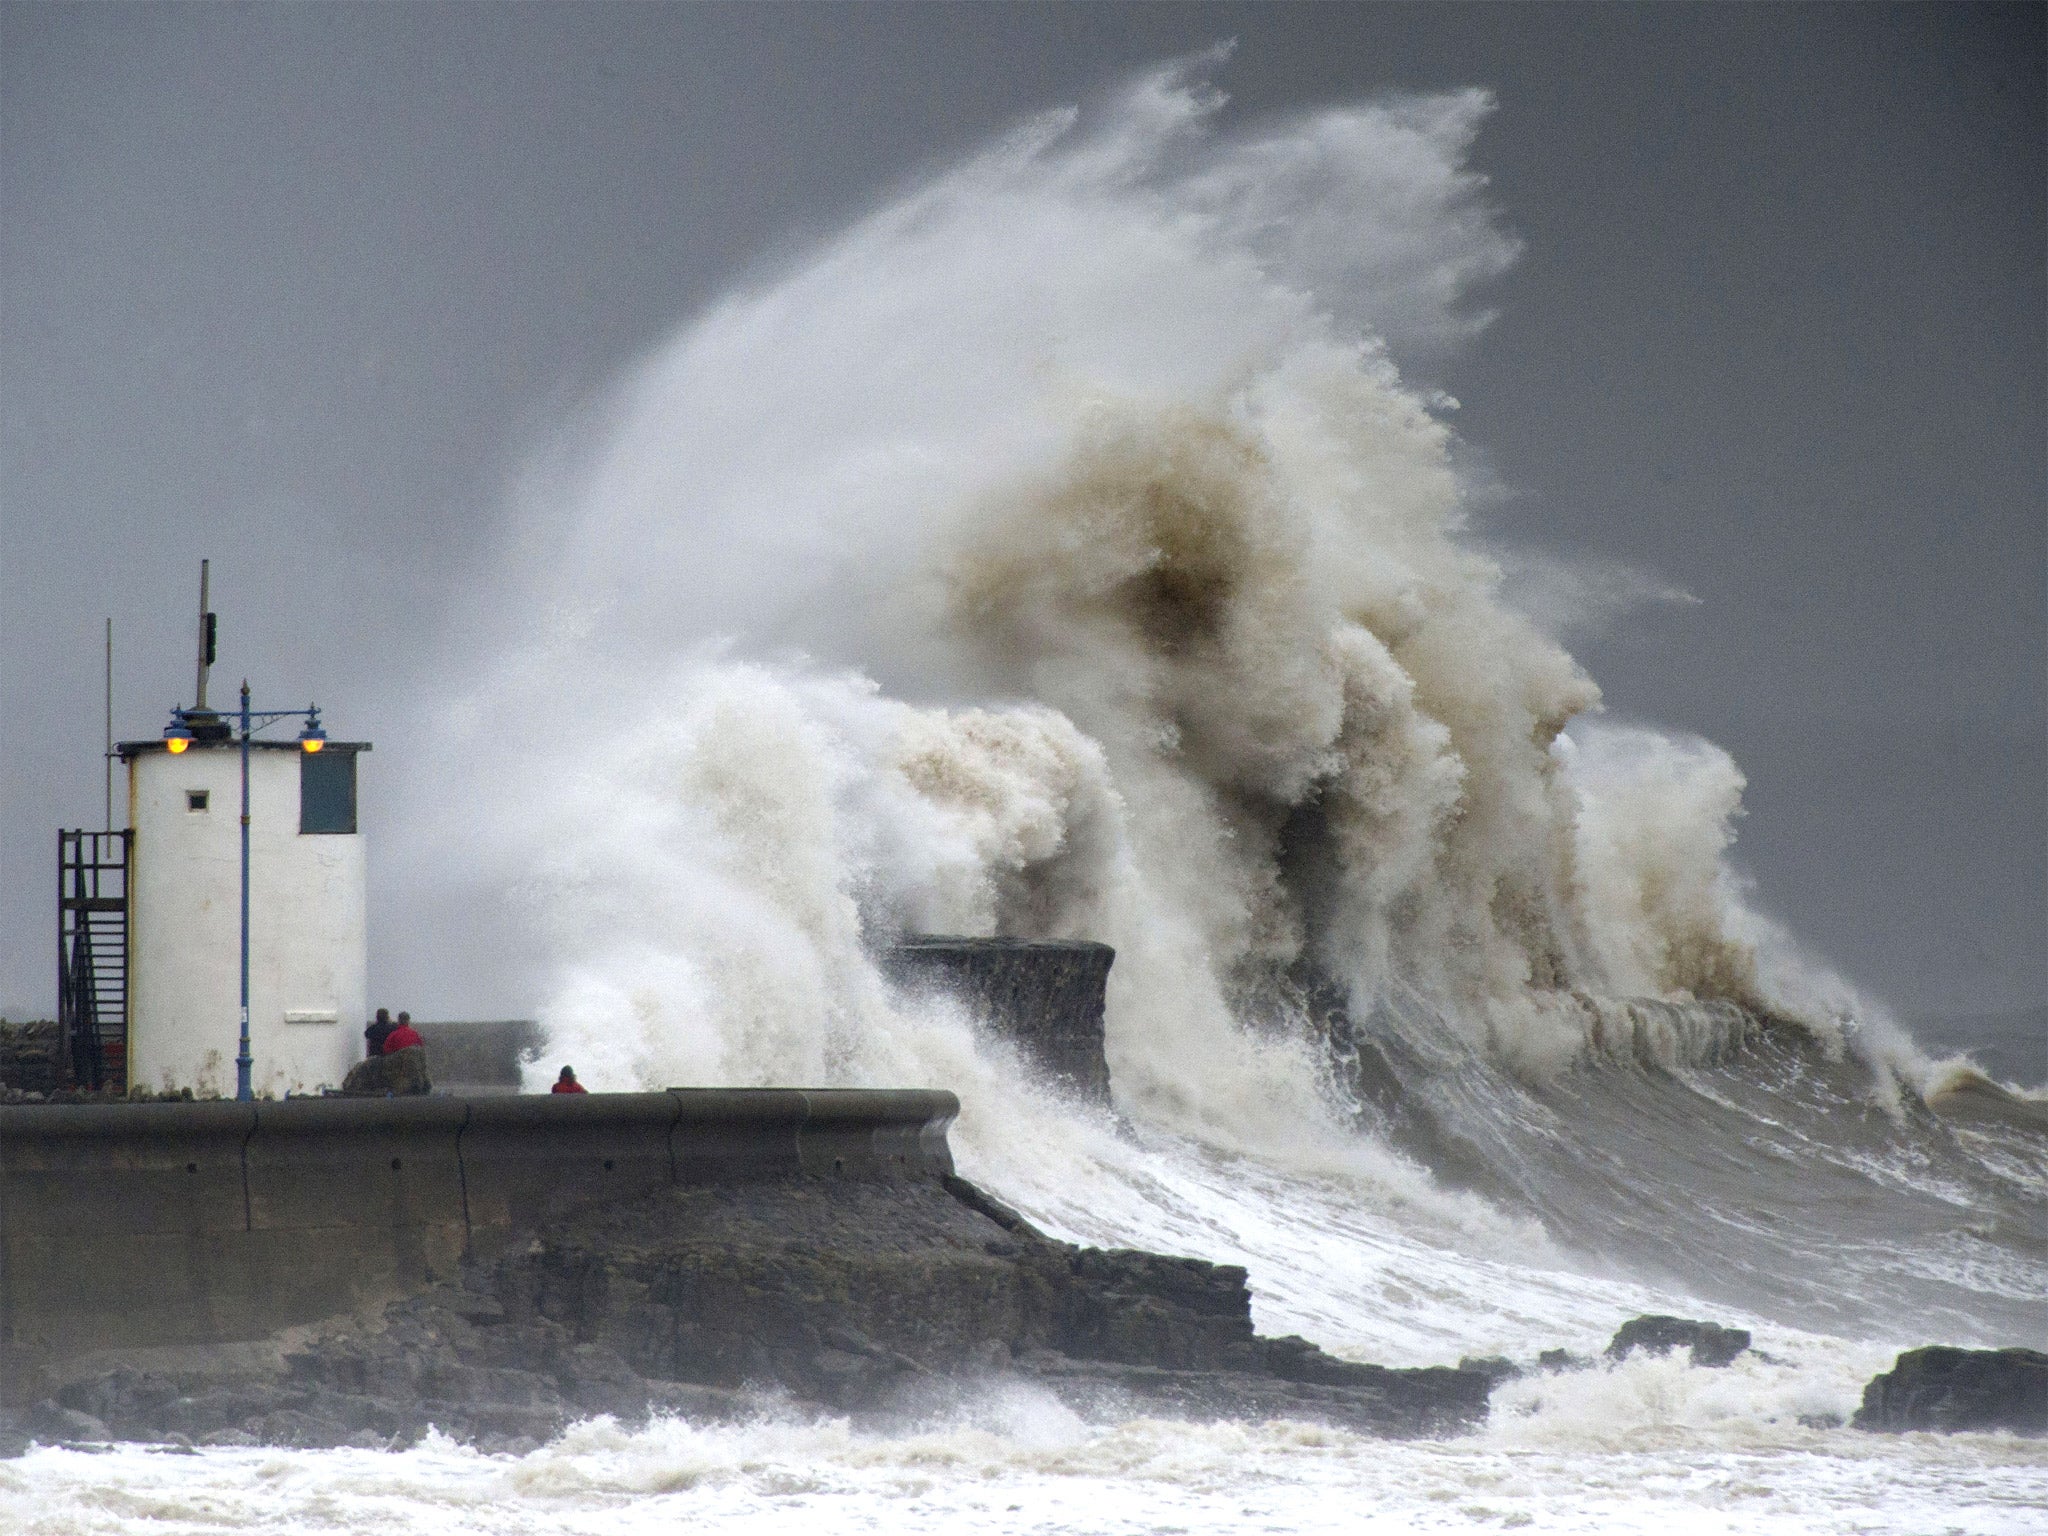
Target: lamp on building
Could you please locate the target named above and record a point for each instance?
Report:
(178, 735)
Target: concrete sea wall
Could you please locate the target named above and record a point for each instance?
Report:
(1046, 995)
(483, 1056)
(125, 1226)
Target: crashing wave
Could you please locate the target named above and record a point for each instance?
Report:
(1058, 552)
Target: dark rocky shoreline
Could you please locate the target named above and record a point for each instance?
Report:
(872, 1299)
(877, 1300)
(1952, 1390)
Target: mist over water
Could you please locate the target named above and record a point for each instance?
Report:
(1059, 552)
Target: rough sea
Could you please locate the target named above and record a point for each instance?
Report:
(1059, 552)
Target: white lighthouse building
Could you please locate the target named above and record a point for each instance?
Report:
(307, 936)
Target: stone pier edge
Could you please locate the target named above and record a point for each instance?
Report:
(138, 1226)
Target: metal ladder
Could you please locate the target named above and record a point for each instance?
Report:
(92, 956)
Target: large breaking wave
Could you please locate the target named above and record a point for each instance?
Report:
(1059, 552)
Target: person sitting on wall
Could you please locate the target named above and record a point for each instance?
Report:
(567, 1083)
(378, 1032)
(402, 1035)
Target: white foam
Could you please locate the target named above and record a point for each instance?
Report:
(1087, 447)
(1058, 552)
(1009, 1466)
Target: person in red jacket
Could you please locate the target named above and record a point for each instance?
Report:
(567, 1083)
(403, 1036)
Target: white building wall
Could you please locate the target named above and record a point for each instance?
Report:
(308, 936)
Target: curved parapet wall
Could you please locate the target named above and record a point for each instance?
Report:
(1045, 994)
(166, 1224)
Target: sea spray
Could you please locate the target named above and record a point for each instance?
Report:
(1098, 420)
(1059, 552)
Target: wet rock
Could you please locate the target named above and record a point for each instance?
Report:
(51, 1422)
(1495, 1368)
(400, 1072)
(1710, 1343)
(124, 1400)
(300, 1430)
(206, 1413)
(813, 1293)
(1949, 1390)
(1139, 1308)
(518, 1421)
(596, 1380)
(376, 1417)
(1563, 1360)
(980, 1201)
(1429, 1400)
(685, 1400)
(1387, 1405)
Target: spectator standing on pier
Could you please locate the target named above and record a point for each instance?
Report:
(567, 1083)
(402, 1035)
(378, 1032)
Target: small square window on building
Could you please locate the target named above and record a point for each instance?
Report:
(327, 791)
(195, 799)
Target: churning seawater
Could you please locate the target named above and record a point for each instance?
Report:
(1649, 1445)
(1058, 552)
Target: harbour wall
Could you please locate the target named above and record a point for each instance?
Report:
(126, 1226)
(1046, 995)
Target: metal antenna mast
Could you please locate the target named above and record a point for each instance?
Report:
(109, 762)
(206, 639)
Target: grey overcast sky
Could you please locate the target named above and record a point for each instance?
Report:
(300, 287)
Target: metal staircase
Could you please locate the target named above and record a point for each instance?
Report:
(92, 956)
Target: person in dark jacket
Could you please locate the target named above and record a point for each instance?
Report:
(402, 1035)
(378, 1032)
(567, 1083)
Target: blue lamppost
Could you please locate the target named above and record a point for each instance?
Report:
(177, 737)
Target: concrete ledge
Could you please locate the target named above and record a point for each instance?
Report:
(483, 1054)
(183, 1224)
(845, 1130)
(1047, 995)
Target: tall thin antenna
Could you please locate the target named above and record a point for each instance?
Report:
(205, 639)
(110, 724)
